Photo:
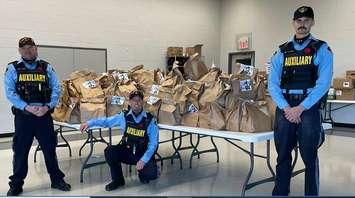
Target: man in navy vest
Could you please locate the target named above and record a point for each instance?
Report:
(301, 74)
(138, 145)
(33, 89)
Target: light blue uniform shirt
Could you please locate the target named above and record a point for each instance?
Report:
(323, 59)
(10, 85)
(120, 121)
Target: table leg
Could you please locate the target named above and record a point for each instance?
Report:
(215, 147)
(251, 168)
(176, 149)
(90, 137)
(66, 142)
(194, 151)
(86, 141)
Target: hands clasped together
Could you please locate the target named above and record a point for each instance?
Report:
(293, 114)
(39, 111)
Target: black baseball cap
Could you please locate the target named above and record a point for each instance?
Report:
(303, 11)
(26, 41)
(136, 93)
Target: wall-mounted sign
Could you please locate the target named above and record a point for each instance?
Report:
(244, 41)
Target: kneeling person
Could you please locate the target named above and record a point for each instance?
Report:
(138, 144)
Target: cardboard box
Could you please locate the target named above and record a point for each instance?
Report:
(350, 74)
(342, 83)
(195, 49)
(175, 51)
(345, 94)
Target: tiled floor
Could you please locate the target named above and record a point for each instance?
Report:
(206, 178)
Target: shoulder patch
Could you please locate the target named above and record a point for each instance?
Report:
(274, 53)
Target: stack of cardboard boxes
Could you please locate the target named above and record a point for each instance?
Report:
(344, 87)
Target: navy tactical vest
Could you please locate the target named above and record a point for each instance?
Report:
(136, 137)
(33, 85)
(299, 70)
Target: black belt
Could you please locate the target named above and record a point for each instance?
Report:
(295, 96)
(17, 111)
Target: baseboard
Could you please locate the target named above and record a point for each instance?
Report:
(344, 125)
(4, 135)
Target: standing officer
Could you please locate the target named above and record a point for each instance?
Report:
(33, 89)
(138, 145)
(301, 74)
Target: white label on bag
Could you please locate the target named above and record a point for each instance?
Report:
(246, 85)
(72, 105)
(338, 92)
(122, 76)
(192, 108)
(346, 84)
(117, 100)
(90, 84)
(248, 69)
(161, 77)
(331, 91)
(154, 90)
(152, 100)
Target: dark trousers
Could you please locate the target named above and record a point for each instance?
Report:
(309, 135)
(115, 155)
(27, 127)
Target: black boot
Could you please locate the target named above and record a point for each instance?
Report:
(14, 191)
(61, 185)
(114, 185)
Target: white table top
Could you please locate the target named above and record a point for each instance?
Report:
(73, 126)
(245, 137)
(342, 101)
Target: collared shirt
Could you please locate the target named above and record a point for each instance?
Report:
(11, 79)
(119, 121)
(323, 59)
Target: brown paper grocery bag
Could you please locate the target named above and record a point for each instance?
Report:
(233, 118)
(253, 119)
(190, 119)
(92, 108)
(91, 89)
(152, 105)
(72, 115)
(168, 114)
(141, 75)
(181, 92)
(197, 89)
(158, 76)
(115, 105)
(212, 117)
(106, 80)
(73, 92)
(260, 90)
(212, 75)
(194, 68)
(60, 112)
(124, 90)
(271, 108)
(211, 93)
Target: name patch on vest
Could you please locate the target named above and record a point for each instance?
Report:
(298, 61)
(32, 78)
(135, 132)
